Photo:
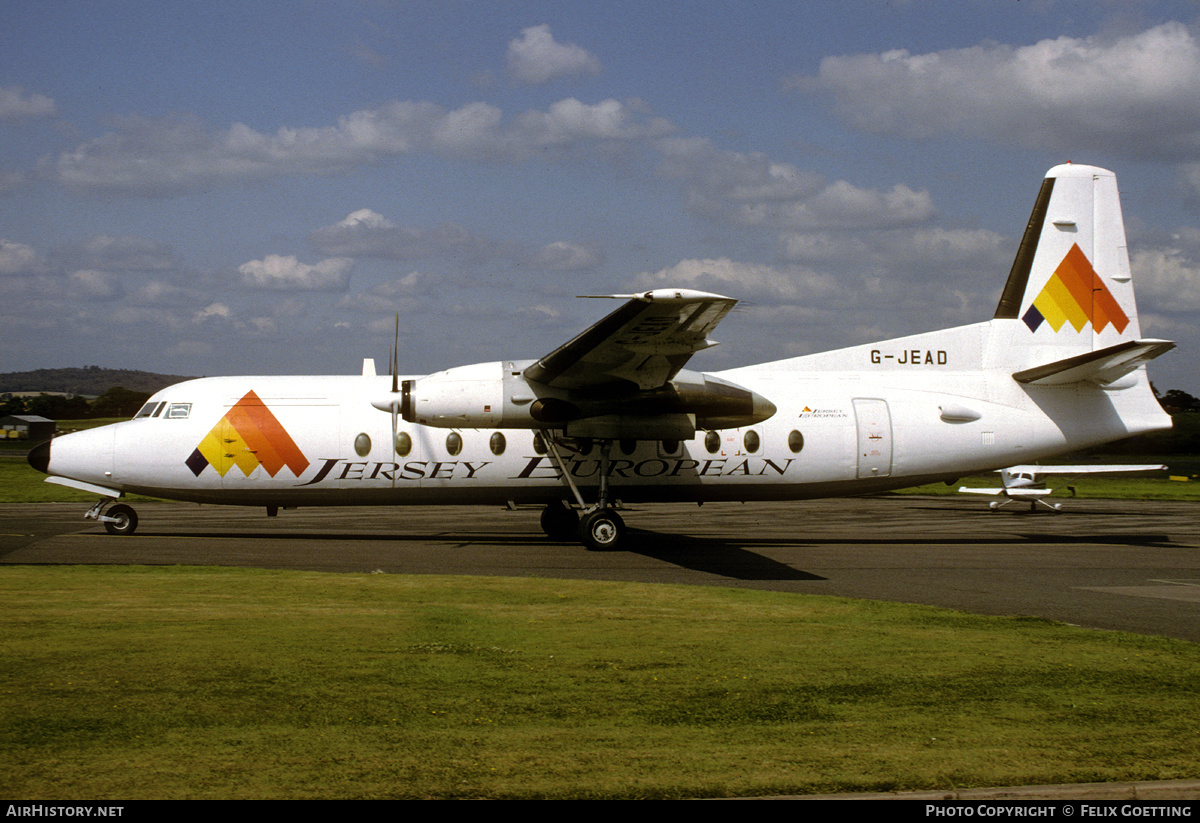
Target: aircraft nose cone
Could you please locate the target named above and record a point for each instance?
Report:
(39, 457)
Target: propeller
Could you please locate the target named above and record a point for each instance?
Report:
(395, 370)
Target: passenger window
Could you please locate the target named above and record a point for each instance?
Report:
(362, 444)
(454, 443)
(712, 442)
(751, 441)
(795, 441)
(403, 444)
(497, 444)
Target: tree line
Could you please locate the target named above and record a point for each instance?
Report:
(117, 401)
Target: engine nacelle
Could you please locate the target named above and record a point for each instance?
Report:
(467, 397)
(492, 395)
(499, 395)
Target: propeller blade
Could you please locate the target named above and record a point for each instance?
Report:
(395, 364)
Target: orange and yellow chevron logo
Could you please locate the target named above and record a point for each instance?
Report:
(248, 436)
(1075, 294)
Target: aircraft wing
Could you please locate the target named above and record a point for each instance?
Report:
(645, 342)
(1017, 493)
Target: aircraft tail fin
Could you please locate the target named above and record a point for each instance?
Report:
(1067, 312)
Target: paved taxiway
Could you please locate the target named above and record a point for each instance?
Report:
(1128, 565)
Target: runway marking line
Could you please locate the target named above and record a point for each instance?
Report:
(1186, 590)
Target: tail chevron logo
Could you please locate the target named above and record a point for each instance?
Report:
(1075, 293)
(248, 436)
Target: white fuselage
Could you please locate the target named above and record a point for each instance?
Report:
(882, 416)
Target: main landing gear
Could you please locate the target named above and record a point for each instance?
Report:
(598, 527)
(119, 519)
(601, 530)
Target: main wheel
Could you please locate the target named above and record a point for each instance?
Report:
(602, 530)
(124, 520)
(560, 522)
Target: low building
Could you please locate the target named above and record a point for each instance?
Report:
(26, 427)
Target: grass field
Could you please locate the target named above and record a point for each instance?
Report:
(125, 683)
(1179, 482)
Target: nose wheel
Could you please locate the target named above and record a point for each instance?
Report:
(119, 519)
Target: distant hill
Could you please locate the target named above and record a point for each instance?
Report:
(89, 381)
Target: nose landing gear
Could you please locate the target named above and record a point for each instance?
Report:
(119, 519)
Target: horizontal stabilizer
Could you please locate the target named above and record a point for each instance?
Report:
(1102, 366)
(1096, 468)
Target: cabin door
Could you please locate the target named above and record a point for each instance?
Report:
(874, 437)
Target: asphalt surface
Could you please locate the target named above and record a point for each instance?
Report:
(1126, 565)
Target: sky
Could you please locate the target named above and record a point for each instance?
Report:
(262, 187)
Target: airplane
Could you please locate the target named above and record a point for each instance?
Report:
(1025, 483)
(612, 417)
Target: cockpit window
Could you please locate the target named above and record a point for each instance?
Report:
(179, 411)
(145, 411)
(158, 409)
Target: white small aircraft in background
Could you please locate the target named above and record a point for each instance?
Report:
(1027, 483)
(612, 416)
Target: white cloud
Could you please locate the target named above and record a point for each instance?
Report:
(146, 317)
(276, 271)
(171, 155)
(535, 57)
(1138, 94)
(128, 253)
(736, 279)
(15, 105)
(365, 233)
(92, 283)
(843, 205)
(158, 293)
(212, 310)
(754, 190)
(925, 248)
(733, 176)
(1167, 279)
(16, 257)
(563, 256)
(570, 121)
(10, 181)
(1191, 177)
(366, 219)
